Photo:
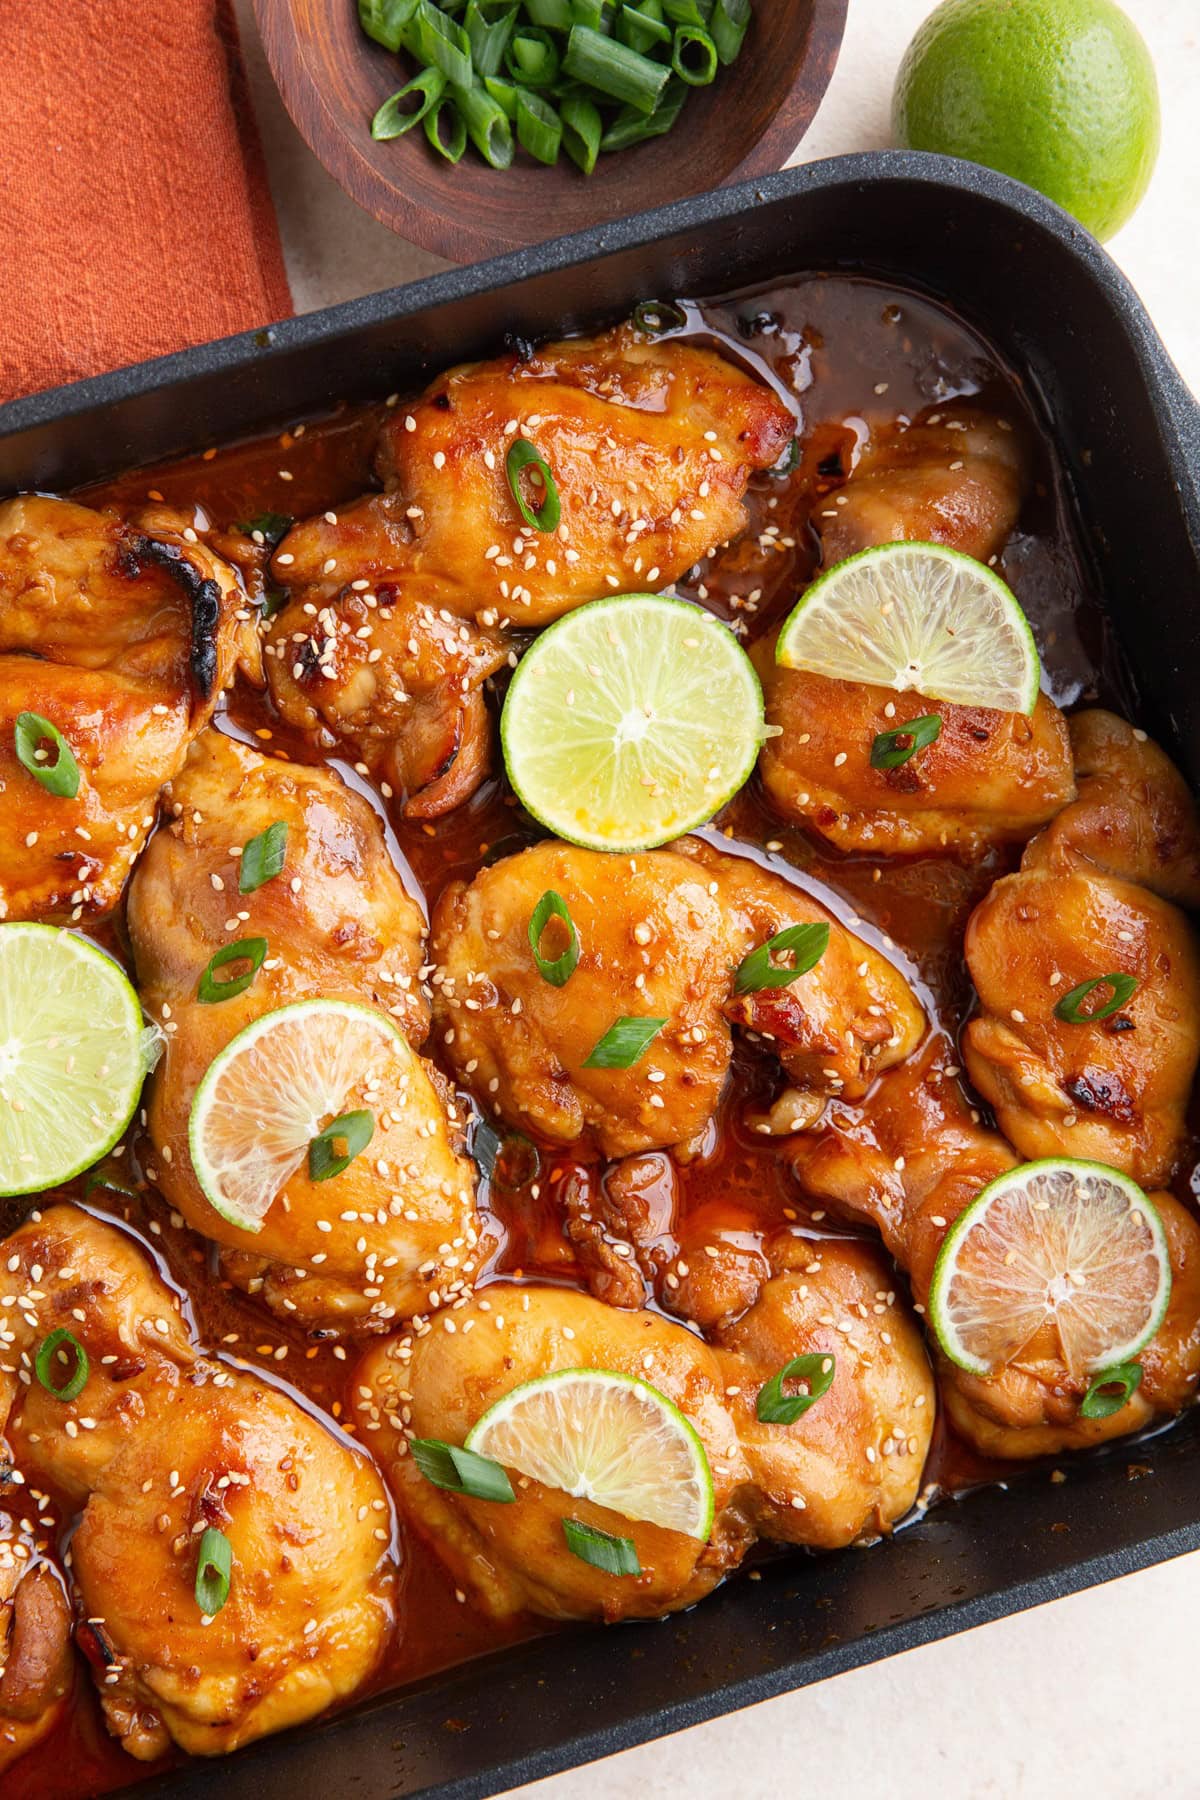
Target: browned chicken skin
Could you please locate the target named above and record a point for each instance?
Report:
(123, 635)
(400, 602)
(989, 777)
(165, 1443)
(1116, 1091)
(820, 1481)
(661, 934)
(400, 1222)
(37, 1668)
(908, 1163)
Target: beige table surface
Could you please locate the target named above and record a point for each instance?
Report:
(1093, 1695)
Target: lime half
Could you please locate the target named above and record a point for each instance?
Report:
(1072, 1244)
(72, 1056)
(631, 721)
(273, 1089)
(920, 617)
(605, 1437)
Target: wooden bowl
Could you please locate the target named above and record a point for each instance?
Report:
(747, 122)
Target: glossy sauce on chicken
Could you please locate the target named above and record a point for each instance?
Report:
(853, 358)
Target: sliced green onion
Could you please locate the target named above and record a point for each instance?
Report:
(488, 38)
(504, 94)
(251, 950)
(353, 1130)
(685, 12)
(50, 1350)
(1071, 1006)
(461, 1471)
(727, 23)
(632, 127)
(642, 27)
(110, 1182)
(613, 68)
(522, 454)
(271, 527)
(214, 1567)
(892, 749)
(654, 317)
(557, 970)
(385, 20)
(443, 43)
(394, 117)
(511, 1162)
(612, 1555)
(539, 128)
(624, 1043)
(60, 777)
(1110, 1390)
(487, 125)
(587, 12)
(694, 55)
(532, 58)
(263, 858)
(556, 15)
(274, 600)
(787, 462)
(774, 1407)
(807, 945)
(453, 146)
(582, 130)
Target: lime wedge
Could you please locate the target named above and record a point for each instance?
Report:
(72, 1056)
(631, 721)
(1069, 1244)
(916, 617)
(273, 1089)
(605, 1437)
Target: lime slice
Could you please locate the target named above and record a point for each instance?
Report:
(72, 1056)
(631, 721)
(273, 1089)
(603, 1437)
(1072, 1244)
(919, 617)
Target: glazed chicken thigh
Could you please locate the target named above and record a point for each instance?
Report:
(400, 1222)
(660, 936)
(37, 1668)
(159, 1445)
(989, 777)
(121, 636)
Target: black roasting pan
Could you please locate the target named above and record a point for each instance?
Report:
(1128, 433)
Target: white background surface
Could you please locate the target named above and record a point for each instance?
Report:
(1095, 1694)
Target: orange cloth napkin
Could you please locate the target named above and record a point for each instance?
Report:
(135, 216)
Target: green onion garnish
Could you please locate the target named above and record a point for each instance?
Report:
(408, 105)
(523, 455)
(555, 13)
(385, 20)
(247, 950)
(353, 1131)
(642, 27)
(460, 1471)
(214, 1566)
(557, 970)
(504, 94)
(271, 527)
(614, 69)
(539, 130)
(774, 1407)
(694, 55)
(654, 317)
(727, 22)
(624, 1043)
(510, 1162)
(446, 129)
(105, 1178)
(440, 41)
(892, 749)
(1071, 1007)
(806, 944)
(487, 125)
(263, 857)
(488, 38)
(582, 129)
(612, 1555)
(58, 1348)
(532, 58)
(60, 777)
(1110, 1390)
(632, 127)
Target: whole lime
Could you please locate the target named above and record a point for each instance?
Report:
(1059, 93)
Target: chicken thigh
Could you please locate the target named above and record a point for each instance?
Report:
(399, 1224)
(989, 777)
(37, 1668)
(121, 637)
(660, 936)
(160, 1445)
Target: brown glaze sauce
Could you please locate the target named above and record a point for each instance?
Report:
(848, 353)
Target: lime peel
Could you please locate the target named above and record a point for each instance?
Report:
(1057, 1240)
(916, 617)
(606, 1437)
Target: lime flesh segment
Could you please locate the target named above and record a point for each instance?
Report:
(1070, 1243)
(272, 1089)
(71, 1056)
(605, 1437)
(916, 617)
(631, 721)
